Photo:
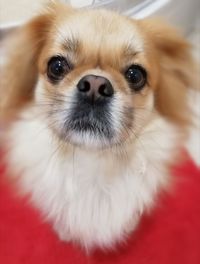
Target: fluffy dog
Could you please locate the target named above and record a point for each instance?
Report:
(94, 106)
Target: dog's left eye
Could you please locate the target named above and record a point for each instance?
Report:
(57, 68)
(136, 76)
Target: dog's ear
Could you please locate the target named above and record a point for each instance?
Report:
(177, 70)
(18, 71)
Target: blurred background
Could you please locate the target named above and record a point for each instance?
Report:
(184, 14)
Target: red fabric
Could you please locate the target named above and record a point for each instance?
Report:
(171, 235)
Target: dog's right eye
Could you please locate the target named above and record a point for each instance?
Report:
(136, 76)
(57, 68)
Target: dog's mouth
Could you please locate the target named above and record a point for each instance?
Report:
(89, 124)
(100, 124)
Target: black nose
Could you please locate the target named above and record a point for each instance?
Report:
(95, 86)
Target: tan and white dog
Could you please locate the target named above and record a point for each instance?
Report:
(95, 110)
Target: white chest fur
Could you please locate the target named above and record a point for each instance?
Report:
(93, 197)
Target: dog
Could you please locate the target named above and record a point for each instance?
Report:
(95, 113)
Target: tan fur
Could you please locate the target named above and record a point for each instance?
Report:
(77, 177)
(166, 57)
(177, 71)
(19, 74)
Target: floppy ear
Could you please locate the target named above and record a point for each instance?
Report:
(177, 70)
(19, 72)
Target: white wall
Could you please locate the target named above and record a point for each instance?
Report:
(18, 10)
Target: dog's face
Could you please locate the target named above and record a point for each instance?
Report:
(95, 78)
(99, 77)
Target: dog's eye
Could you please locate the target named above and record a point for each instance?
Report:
(136, 76)
(57, 68)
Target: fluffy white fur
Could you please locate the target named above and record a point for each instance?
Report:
(92, 197)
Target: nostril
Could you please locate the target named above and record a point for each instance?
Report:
(94, 86)
(106, 90)
(84, 86)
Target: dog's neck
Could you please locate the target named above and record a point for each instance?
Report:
(92, 196)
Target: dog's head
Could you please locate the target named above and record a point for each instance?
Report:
(96, 76)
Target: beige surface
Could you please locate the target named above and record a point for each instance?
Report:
(13, 11)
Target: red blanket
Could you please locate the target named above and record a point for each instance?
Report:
(170, 235)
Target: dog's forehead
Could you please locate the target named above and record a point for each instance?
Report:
(100, 27)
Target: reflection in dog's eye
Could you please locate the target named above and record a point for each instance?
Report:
(136, 76)
(57, 68)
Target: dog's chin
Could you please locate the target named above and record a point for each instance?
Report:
(89, 136)
(86, 139)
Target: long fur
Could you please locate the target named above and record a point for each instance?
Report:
(92, 197)
(95, 196)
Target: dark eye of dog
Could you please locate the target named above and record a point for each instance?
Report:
(57, 68)
(136, 76)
